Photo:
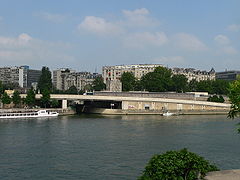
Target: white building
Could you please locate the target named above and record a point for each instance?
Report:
(138, 70)
(192, 73)
(14, 75)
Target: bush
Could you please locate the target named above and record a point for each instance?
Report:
(177, 165)
(215, 98)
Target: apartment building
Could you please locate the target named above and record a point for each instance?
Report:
(192, 73)
(115, 72)
(21, 76)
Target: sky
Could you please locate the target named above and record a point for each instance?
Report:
(87, 34)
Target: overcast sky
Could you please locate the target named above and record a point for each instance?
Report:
(88, 34)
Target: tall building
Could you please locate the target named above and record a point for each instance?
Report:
(228, 75)
(115, 72)
(64, 78)
(192, 73)
(21, 76)
(58, 77)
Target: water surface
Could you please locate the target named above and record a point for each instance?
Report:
(109, 147)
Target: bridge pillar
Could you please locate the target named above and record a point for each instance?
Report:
(64, 104)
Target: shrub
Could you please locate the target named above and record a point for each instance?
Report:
(177, 165)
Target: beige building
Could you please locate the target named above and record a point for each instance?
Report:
(64, 78)
(59, 76)
(192, 73)
(115, 72)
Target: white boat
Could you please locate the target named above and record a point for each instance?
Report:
(168, 114)
(41, 113)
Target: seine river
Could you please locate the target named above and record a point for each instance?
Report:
(109, 147)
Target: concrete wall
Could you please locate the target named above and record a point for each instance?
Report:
(163, 106)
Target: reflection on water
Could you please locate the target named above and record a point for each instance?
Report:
(109, 147)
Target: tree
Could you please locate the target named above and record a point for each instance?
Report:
(234, 97)
(54, 103)
(5, 98)
(1, 88)
(72, 90)
(192, 85)
(220, 86)
(205, 86)
(128, 81)
(45, 80)
(179, 82)
(30, 98)
(157, 81)
(16, 99)
(45, 99)
(178, 165)
(98, 84)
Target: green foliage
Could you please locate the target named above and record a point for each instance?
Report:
(54, 103)
(30, 98)
(72, 90)
(1, 88)
(177, 165)
(5, 98)
(128, 81)
(45, 99)
(216, 98)
(192, 85)
(210, 86)
(179, 82)
(16, 99)
(234, 97)
(98, 84)
(157, 81)
(45, 80)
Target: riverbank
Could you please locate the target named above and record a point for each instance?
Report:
(224, 175)
(105, 111)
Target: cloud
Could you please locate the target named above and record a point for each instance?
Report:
(139, 17)
(99, 26)
(229, 50)
(55, 18)
(27, 50)
(188, 42)
(222, 40)
(170, 59)
(234, 27)
(140, 40)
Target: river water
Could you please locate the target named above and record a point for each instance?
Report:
(109, 147)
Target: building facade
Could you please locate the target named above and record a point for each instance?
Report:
(64, 78)
(115, 72)
(59, 77)
(228, 75)
(193, 74)
(21, 76)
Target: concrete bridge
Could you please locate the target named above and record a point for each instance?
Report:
(140, 103)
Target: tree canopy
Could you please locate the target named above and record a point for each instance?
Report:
(178, 165)
(5, 98)
(45, 99)
(98, 84)
(128, 81)
(45, 80)
(157, 81)
(16, 99)
(180, 82)
(30, 98)
(234, 97)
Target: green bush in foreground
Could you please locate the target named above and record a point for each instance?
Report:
(177, 165)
